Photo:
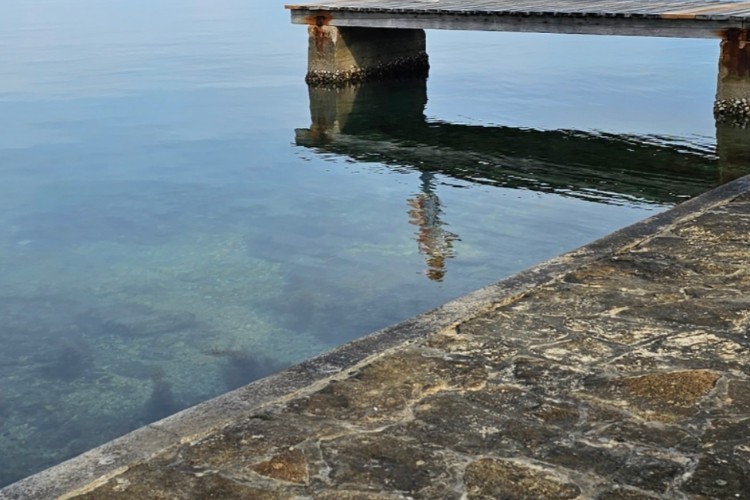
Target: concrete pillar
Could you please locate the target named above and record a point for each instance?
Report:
(341, 55)
(733, 87)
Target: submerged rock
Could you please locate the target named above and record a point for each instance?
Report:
(136, 320)
(69, 361)
(151, 324)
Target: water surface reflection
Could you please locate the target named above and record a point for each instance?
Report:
(384, 122)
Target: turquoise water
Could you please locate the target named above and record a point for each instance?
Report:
(171, 229)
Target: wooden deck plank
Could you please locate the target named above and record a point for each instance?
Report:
(667, 18)
(617, 7)
(499, 6)
(727, 9)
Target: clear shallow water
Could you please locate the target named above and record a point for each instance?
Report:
(170, 230)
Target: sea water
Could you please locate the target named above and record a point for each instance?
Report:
(167, 233)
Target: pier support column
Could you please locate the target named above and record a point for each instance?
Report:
(341, 55)
(733, 87)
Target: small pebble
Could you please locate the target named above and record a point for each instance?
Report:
(721, 482)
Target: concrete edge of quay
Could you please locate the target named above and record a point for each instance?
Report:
(93, 468)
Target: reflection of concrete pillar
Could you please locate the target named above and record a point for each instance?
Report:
(339, 55)
(733, 146)
(733, 86)
(329, 110)
(364, 109)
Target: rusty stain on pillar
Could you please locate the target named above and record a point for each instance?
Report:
(733, 87)
(340, 55)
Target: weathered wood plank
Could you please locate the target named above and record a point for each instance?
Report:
(699, 10)
(726, 9)
(502, 5)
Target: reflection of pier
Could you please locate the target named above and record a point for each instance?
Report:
(384, 122)
(355, 40)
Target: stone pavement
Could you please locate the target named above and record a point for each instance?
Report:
(618, 371)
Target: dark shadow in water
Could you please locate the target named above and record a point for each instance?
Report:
(309, 308)
(4, 407)
(71, 359)
(242, 367)
(162, 402)
(134, 320)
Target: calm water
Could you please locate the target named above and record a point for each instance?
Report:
(173, 224)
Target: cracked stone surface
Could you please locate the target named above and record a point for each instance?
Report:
(625, 378)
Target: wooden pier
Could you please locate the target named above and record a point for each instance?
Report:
(675, 18)
(356, 40)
